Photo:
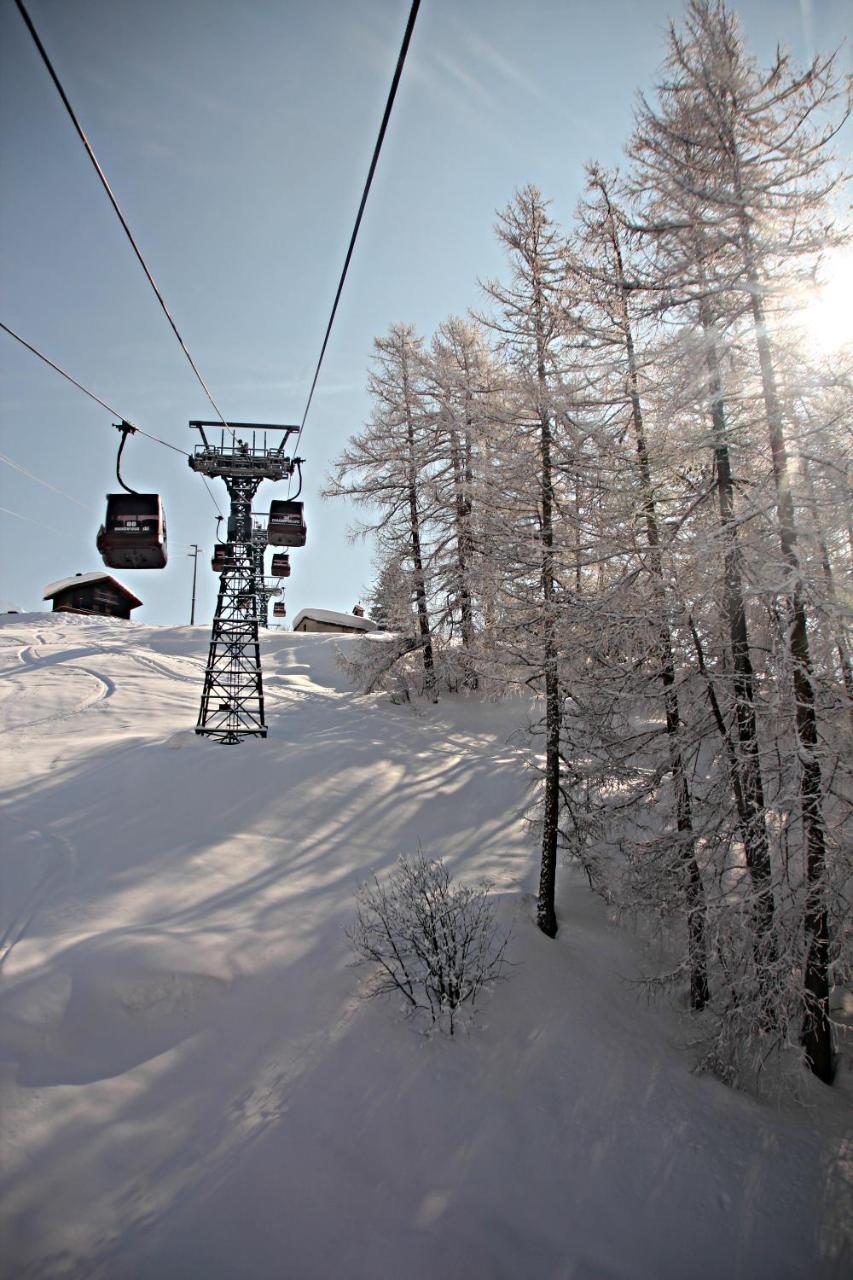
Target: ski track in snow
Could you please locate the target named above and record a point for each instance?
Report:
(189, 1081)
(172, 672)
(104, 686)
(59, 868)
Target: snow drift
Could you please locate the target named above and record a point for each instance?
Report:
(190, 1082)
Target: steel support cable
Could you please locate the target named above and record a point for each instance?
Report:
(404, 48)
(212, 496)
(41, 524)
(79, 385)
(97, 399)
(30, 475)
(115, 204)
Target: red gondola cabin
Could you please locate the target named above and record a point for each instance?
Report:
(224, 557)
(133, 535)
(286, 524)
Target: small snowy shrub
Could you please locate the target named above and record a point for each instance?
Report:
(375, 665)
(434, 942)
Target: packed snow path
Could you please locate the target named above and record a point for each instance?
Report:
(190, 1084)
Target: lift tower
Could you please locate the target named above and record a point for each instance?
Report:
(232, 703)
(259, 542)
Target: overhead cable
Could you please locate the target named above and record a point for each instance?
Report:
(79, 385)
(114, 202)
(97, 399)
(30, 520)
(16, 466)
(404, 48)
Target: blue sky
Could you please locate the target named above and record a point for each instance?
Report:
(237, 134)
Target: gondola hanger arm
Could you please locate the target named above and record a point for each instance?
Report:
(126, 430)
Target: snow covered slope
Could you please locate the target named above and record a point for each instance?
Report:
(190, 1084)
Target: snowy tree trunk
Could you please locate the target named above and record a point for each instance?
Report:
(531, 332)
(750, 793)
(546, 916)
(839, 638)
(462, 479)
(419, 579)
(694, 889)
(816, 1035)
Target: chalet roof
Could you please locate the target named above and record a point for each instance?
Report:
(84, 579)
(334, 618)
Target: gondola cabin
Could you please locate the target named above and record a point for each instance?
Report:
(278, 610)
(224, 557)
(281, 565)
(286, 524)
(133, 535)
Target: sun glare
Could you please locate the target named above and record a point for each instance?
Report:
(826, 317)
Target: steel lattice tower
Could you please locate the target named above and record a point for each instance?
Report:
(232, 702)
(259, 546)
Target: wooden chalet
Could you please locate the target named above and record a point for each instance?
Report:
(330, 620)
(94, 593)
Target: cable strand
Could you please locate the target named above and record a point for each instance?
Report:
(115, 204)
(31, 475)
(404, 48)
(97, 399)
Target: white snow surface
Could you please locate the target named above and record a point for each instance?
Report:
(191, 1085)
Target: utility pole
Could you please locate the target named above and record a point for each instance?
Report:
(194, 554)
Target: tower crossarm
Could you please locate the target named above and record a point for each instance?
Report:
(256, 464)
(247, 452)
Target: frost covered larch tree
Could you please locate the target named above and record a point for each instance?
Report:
(527, 324)
(461, 380)
(761, 168)
(599, 264)
(386, 467)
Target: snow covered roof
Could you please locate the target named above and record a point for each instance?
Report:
(78, 579)
(335, 619)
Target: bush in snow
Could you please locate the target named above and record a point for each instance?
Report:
(434, 942)
(383, 663)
